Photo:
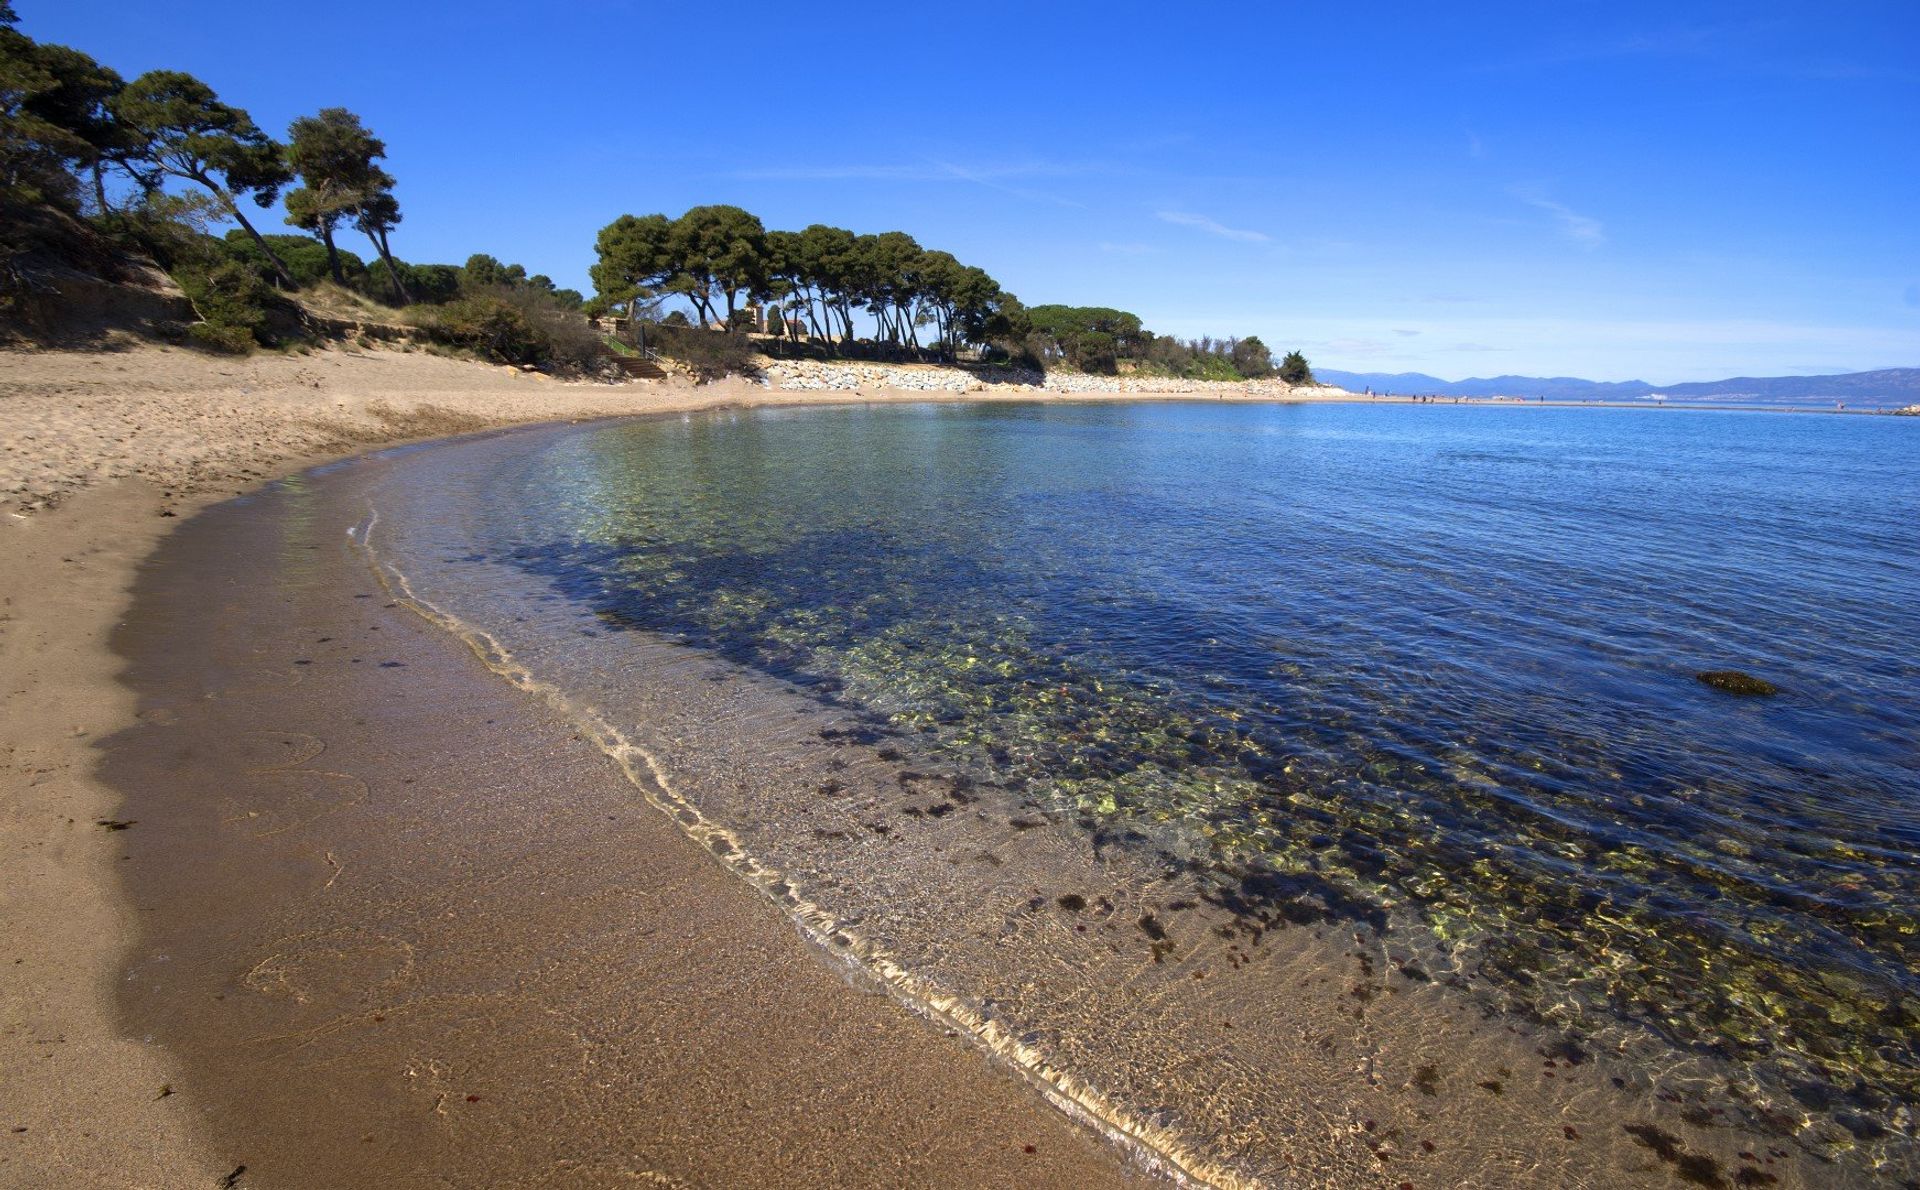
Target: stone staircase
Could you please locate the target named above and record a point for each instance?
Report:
(635, 367)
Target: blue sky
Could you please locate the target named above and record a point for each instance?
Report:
(1613, 190)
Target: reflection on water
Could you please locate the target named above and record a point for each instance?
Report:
(1417, 678)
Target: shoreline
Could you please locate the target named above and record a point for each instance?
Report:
(81, 1099)
(398, 927)
(191, 423)
(126, 471)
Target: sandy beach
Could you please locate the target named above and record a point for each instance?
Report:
(298, 885)
(102, 455)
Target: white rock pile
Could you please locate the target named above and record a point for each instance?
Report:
(823, 376)
(818, 376)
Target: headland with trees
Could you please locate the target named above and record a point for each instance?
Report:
(102, 177)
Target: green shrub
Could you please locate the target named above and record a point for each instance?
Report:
(521, 325)
(492, 326)
(710, 355)
(1093, 351)
(305, 258)
(427, 284)
(1251, 358)
(233, 304)
(1211, 367)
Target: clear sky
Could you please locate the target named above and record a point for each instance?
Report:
(1615, 190)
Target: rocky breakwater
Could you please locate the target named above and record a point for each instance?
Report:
(833, 376)
(819, 376)
(1257, 390)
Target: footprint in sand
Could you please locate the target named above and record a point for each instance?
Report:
(261, 750)
(276, 801)
(334, 968)
(276, 793)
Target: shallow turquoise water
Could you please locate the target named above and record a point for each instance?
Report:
(1409, 668)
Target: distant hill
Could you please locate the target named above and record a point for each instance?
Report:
(1898, 385)
(1890, 386)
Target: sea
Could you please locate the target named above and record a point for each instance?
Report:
(1298, 794)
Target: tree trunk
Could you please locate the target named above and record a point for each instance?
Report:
(233, 208)
(812, 322)
(333, 254)
(393, 274)
(100, 188)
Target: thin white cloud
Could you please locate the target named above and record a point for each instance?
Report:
(1212, 227)
(993, 177)
(926, 170)
(990, 178)
(1583, 230)
(1355, 346)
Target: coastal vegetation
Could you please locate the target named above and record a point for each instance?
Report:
(103, 176)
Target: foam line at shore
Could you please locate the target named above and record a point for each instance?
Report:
(1160, 1150)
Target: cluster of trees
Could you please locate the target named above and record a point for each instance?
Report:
(68, 122)
(93, 165)
(720, 258)
(1104, 340)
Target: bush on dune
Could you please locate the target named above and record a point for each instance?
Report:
(518, 325)
(233, 304)
(709, 355)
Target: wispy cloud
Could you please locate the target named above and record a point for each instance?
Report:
(927, 169)
(1759, 48)
(1350, 346)
(1212, 227)
(1721, 41)
(998, 177)
(991, 180)
(1583, 230)
(1404, 333)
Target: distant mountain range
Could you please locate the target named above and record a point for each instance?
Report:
(1889, 386)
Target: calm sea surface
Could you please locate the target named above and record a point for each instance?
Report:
(1198, 679)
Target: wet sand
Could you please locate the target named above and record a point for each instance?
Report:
(397, 926)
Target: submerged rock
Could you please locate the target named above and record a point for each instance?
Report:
(1733, 681)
